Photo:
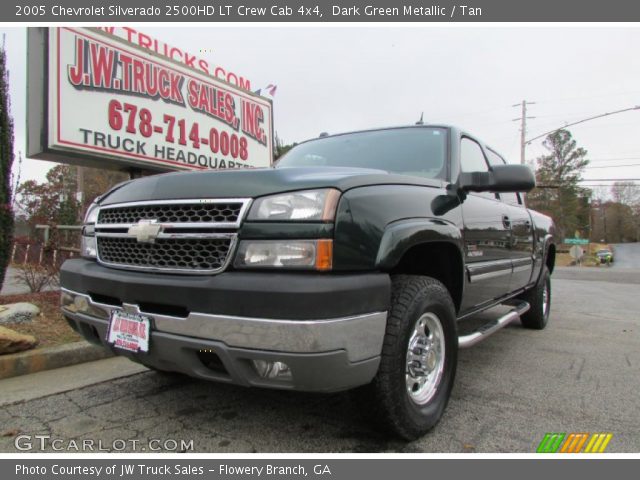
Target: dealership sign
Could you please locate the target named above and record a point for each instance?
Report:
(111, 104)
(143, 40)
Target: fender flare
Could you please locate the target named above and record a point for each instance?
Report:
(402, 235)
(546, 243)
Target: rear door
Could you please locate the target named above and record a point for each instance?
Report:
(486, 236)
(520, 247)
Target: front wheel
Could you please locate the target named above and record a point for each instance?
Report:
(419, 356)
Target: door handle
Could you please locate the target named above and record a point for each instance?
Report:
(527, 225)
(506, 222)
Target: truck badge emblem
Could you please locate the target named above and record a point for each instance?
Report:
(145, 231)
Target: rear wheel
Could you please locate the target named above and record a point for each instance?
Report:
(539, 299)
(419, 355)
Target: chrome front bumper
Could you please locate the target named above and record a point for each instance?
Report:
(360, 336)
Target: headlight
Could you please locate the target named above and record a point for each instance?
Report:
(92, 214)
(88, 247)
(308, 205)
(90, 219)
(304, 254)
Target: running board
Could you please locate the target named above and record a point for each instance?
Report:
(518, 307)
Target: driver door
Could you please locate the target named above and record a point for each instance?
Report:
(486, 234)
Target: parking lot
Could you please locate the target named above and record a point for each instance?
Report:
(581, 374)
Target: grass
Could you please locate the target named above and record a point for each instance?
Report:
(564, 259)
(49, 327)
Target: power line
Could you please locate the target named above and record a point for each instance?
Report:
(590, 185)
(614, 166)
(610, 180)
(612, 159)
(637, 107)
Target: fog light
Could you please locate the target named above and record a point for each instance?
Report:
(66, 300)
(271, 369)
(81, 304)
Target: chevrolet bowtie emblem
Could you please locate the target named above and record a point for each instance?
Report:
(145, 231)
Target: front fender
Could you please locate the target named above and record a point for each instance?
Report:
(400, 236)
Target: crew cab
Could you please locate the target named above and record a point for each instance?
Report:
(348, 264)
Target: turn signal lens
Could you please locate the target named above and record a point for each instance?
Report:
(324, 255)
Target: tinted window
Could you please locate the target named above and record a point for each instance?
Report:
(409, 151)
(471, 157)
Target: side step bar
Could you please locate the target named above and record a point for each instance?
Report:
(518, 307)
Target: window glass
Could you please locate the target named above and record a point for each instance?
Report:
(471, 157)
(494, 158)
(409, 151)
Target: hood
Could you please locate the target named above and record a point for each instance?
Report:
(253, 183)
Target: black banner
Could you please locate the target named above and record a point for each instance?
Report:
(442, 11)
(315, 469)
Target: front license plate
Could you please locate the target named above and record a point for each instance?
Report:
(129, 331)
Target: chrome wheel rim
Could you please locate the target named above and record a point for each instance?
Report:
(425, 359)
(545, 299)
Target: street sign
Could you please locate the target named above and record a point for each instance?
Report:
(576, 252)
(576, 241)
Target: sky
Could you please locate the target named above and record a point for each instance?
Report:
(338, 79)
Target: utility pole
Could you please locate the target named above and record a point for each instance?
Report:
(80, 190)
(523, 126)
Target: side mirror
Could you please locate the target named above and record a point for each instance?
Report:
(501, 178)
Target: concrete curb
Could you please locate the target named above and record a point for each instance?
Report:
(40, 359)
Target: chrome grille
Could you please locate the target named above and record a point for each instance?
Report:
(203, 254)
(180, 236)
(228, 213)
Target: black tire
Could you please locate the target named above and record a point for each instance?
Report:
(415, 298)
(538, 315)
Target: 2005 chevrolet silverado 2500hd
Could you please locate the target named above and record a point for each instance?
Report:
(348, 264)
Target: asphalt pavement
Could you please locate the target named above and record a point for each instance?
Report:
(580, 374)
(626, 255)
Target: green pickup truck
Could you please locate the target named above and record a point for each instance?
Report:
(348, 264)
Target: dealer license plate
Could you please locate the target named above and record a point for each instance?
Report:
(129, 331)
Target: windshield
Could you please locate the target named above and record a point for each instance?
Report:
(408, 151)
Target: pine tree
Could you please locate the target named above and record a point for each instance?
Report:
(6, 160)
(558, 174)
